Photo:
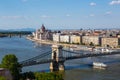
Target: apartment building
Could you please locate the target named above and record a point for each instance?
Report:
(75, 39)
(110, 42)
(96, 40)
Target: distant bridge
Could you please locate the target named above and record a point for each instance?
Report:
(57, 56)
(14, 33)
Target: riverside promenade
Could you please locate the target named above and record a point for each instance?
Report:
(72, 46)
(48, 42)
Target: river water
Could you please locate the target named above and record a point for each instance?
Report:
(78, 69)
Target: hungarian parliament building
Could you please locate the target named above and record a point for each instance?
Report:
(43, 34)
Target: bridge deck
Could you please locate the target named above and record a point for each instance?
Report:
(66, 55)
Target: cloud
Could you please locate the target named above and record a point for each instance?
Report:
(115, 2)
(68, 15)
(45, 16)
(92, 15)
(24, 0)
(11, 17)
(108, 13)
(92, 4)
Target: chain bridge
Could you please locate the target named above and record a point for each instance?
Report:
(57, 56)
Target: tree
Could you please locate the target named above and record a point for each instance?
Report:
(27, 75)
(48, 76)
(2, 78)
(10, 62)
(91, 44)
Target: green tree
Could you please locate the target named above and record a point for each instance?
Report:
(48, 76)
(29, 75)
(91, 44)
(2, 78)
(10, 62)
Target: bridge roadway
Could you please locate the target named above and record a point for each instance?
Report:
(91, 54)
(36, 60)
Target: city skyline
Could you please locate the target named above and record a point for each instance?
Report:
(59, 14)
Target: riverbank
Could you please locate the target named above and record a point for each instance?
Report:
(71, 46)
(3, 35)
(48, 42)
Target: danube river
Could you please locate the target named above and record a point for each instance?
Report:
(75, 69)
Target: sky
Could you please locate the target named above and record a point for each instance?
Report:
(59, 14)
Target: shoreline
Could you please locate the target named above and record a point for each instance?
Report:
(51, 42)
(73, 46)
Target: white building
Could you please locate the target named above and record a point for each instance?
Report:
(65, 38)
(56, 37)
(75, 39)
(91, 39)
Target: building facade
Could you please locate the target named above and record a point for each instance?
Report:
(118, 36)
(96, 40)
(56, 37)
(43, 34)
(75, 39)
(110, 42)
(5, 73)
(65, 38)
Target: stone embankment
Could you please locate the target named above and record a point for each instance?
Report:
(72, 46)
(48, 42)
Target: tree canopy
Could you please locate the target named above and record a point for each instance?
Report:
(10, 62)
(2, 78)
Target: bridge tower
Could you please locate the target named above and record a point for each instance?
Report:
(58, 62)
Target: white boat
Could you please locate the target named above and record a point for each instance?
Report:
(99, 65)
(103, 50)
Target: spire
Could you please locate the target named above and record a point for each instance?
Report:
(43, 28)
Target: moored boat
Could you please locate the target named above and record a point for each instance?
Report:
(99, 65)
